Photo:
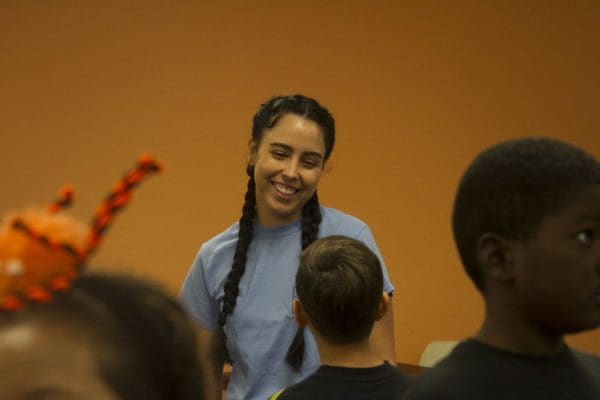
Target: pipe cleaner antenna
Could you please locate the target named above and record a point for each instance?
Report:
(115, 201)
(42, 251)
(64, 200)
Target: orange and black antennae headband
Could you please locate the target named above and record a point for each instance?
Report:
(20, 225)
(19, 282)
(64, 201)
(117, 199)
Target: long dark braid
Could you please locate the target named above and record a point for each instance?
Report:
(311, 220)
(266, 117)
(246, 225)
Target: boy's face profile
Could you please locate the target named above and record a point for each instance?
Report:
(557, 271)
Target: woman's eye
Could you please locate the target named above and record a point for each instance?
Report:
(278, 155)
(585, 237)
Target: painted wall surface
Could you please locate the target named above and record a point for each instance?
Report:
(417, 89)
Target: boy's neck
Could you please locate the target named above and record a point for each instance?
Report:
(353, 355)
(504, 330)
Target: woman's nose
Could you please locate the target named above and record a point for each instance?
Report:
(290, 170)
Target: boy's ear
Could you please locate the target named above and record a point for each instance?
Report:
(299, 313)
(383, 306)
(496, 255)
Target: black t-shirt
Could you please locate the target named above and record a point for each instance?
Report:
(476, 371)
(327, 383)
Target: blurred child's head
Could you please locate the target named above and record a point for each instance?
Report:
(64, 334)
(108, 337)
(526, 217)
(340, 289)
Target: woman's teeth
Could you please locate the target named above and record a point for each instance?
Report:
(284, 189)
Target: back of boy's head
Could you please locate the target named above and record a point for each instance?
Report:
(511, 187)
(142, 341)
(339, 285)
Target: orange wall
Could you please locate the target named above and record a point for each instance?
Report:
(418, 88)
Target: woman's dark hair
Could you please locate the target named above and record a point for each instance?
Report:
(267, 117)
(143, 344)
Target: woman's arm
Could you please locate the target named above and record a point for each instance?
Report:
(212, 361)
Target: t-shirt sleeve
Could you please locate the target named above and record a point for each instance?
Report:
(196, 297)
(366, 237)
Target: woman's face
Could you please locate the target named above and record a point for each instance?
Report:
(45, 362)
(287, 166)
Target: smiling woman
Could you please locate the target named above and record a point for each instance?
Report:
(240, 287)
(287, 167)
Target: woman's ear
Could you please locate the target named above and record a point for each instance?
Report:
(383, 306)
(496, 256)
(299, 313)
(252, 149)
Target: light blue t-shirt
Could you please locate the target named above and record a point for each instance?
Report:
(262, 326)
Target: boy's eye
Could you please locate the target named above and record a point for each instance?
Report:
(585, 237)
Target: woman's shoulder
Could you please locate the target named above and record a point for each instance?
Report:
(220, 242)
(337, 222)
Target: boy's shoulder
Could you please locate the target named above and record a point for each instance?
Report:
(479, 371)
(466, 370)
(590, 362)
(328, 382)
